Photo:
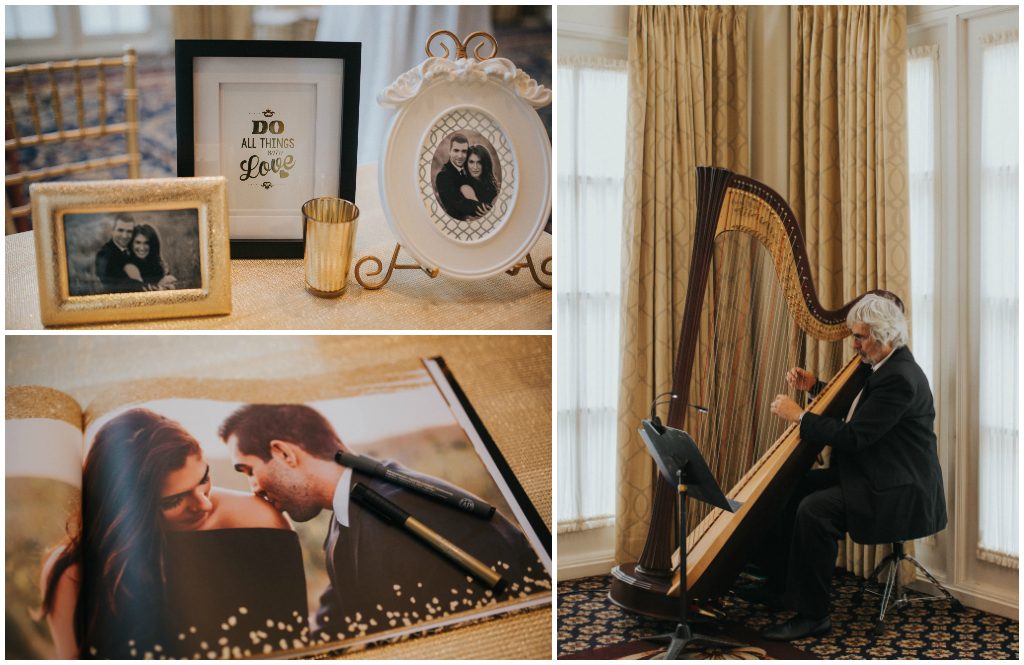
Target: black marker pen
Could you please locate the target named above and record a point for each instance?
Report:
(372, 467)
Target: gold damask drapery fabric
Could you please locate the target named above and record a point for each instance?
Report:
(848, 179)
(687, 107)
(213, 22)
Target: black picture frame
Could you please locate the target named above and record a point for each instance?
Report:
(185, 53)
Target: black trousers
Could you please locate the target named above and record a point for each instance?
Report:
(799, 553)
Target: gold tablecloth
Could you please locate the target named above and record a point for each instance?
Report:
(506, 378)
(270, 294)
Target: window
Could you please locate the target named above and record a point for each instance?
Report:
(591, 103)
(56, 32)
(962, 94)
(114, 20)
(998, 301)
(29, 22)
(922, 131)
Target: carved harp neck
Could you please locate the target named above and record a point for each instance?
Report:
(727, 202)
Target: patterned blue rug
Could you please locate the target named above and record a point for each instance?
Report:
(589, 623)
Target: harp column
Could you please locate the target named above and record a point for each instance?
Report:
(642, 587)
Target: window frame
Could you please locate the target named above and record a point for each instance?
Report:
(952, 554)
(71, 42)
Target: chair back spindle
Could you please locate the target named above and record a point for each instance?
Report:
(45, 114)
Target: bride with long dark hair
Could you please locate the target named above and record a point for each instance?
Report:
(104, 588)
(144, 261)
(482, 187)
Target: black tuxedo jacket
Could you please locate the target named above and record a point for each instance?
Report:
(110, 263)
(447, 183)
(886, 455)
(384, 578)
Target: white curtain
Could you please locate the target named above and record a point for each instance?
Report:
(922, 136)
(393, 38)
(588, 226)
(997, 399)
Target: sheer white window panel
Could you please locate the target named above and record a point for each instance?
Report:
(591, 155)
(998, 455)
(29, 22)
(922, 70)
(114, 19)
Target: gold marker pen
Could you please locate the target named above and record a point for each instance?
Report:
(392, 514)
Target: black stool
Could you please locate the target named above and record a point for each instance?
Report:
(894, 594)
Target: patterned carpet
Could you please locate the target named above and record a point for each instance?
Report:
(528, 47)
(588, 620)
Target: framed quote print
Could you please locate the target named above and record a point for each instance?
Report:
(466, 175)
(279, 120)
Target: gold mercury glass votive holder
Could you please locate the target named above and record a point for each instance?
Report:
(330, 240)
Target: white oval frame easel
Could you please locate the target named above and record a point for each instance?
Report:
(503, 99)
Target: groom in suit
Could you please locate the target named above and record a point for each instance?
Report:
(884, 483)
(112, 258)
(381, 578)
(452, 177)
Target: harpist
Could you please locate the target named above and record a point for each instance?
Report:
(884, 484)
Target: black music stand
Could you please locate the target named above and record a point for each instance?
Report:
(678, 460)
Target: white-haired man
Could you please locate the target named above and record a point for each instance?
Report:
(883, 484)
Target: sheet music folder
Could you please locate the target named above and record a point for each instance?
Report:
(673, 449)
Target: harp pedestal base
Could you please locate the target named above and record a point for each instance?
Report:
(636, 592)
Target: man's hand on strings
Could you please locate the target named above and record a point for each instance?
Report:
(784, 407)
(800, 379)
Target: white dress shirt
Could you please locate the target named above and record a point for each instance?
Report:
(856, 400)
(340, 500)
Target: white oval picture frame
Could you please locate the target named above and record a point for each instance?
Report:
(491, 104)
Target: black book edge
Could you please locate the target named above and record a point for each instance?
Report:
(532, 516)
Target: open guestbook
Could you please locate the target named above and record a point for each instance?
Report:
(189, 518)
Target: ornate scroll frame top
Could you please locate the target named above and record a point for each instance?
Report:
(478, 69)
(461, 46)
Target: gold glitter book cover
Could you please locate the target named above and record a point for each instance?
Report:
(241, 518)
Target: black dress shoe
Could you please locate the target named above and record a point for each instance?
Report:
(761, 595)
(797, 628)
(755, 571)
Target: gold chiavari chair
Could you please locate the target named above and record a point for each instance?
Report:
(27, 87)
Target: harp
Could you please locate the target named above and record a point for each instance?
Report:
(751, 313)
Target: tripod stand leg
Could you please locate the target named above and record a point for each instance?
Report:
(954, 603)
(891, 587)
(680, 639)
(874, 573)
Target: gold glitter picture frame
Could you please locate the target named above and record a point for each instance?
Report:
(126, 250)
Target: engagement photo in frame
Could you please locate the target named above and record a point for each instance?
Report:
(466, 175)
(118, 250)
(279, 120)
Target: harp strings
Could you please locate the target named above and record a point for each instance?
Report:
(748, 342)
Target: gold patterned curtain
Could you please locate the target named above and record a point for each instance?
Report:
(687, 107)
(212, 22)
(848, 179)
